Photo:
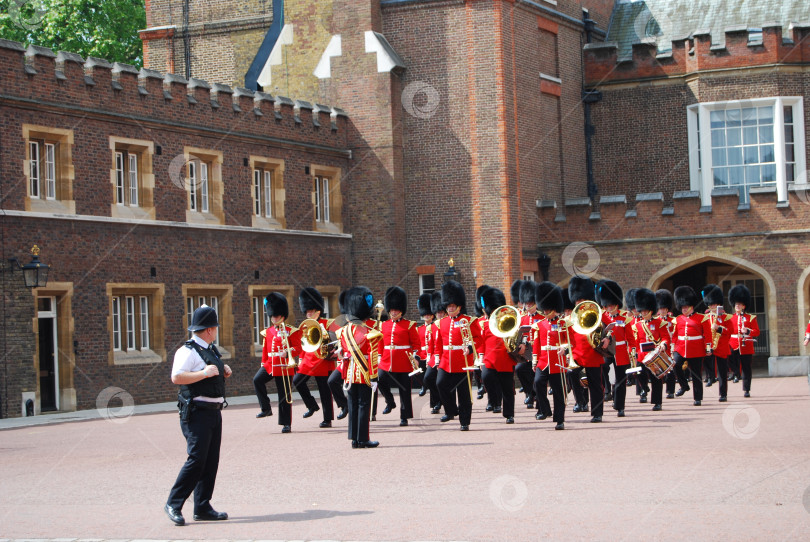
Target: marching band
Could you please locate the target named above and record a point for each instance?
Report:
(590, 339)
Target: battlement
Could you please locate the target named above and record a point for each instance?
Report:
(38, 74)
(648, 216)
(743, 48)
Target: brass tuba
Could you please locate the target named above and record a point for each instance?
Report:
(311, 336)
(586, 319)
(504, 322)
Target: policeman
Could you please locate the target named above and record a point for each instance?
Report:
(200, 373)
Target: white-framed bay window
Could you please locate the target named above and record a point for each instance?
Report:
(746, 143)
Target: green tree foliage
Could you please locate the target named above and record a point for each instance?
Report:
(101, 28)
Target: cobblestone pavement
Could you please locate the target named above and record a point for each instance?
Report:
(735, 471)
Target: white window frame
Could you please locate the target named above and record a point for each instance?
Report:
(422, 288)
(144, 315)
(50, 171)
(260, 320)
(130, 305)
(42, 168)
(33, 150)
(700, 145)
(192, 185)
(322, 212)
(204, 187)
(263, 193)
(116, 316)
(133, 178)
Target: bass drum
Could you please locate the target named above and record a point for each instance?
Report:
(659, 362)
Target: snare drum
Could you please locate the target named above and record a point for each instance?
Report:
(659, 362)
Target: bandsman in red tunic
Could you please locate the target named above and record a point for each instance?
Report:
(359, 352)
(613, 318)
(316, 364)
(692, 338)
(666, 306)
(649, 331)
(720, 324)
(481, 322)
(336, 377)
(423, 306)
(282, 345)
(582, 289)
(432, 370)
(498, 372)
(550, 348)
(744, 330)
(456, 355)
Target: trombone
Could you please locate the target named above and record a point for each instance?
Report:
(291, 364)
(467, 340)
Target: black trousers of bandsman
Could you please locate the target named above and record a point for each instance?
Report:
(430, 383)
(403, 382)
(359, 400)
(335, 382)
(558, 394)
(741, 363)
(525, 375)
(383, 387)
(596, 389)
(722, 371)
(541, 391)
(695, 368)
(453, 386)
(300, 382)
(500, 390)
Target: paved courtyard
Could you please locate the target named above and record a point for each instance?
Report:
(723, 471)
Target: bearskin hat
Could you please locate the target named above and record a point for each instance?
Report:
(310, 299)
(685, 296)
(479, 307)
(644, 300)
(527, 292)
(568, 305)
(341, 302)
(395, 299)
(436, 304)
(492, 298)
(423, 304)
(581, 288)
(514, 291)
(359, 302)
(630, 299)
(276, 305)
(609, 292)
(712, 294)
(549, 297)
(740, 294)
(453, 294)
(663, 299)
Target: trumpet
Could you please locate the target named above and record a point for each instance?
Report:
(291, 363)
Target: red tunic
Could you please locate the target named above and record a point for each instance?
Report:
(722, 349)
(744, 344)
(549, 344)
(583, 352)
(360, 368)
(448, 345)
(620, 332)
(693, 336)
(274, 357)
(653, 330)
(424, 340)
(311, 363)
(399, 338)
(493, 349)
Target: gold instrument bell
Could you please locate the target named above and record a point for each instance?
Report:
(311, 335)
(504, 322)
(586, 319)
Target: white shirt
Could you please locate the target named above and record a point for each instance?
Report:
(187, 360)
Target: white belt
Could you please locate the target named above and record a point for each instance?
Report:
(620, 343)
(689, 337)
(735, 336)
(551, 347)
(277, 354)
(454, 347)
(397, 347)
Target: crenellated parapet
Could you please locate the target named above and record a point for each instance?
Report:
(40, 76)
(742, 48)
(649, 215)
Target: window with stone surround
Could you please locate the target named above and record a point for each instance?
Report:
(204, 186)
(48, 167)
(132, 178)
(745, 144)
(218, 297)
(136, 323)
(268, 192)
(326, 199)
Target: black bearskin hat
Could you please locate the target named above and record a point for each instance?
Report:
(568, 305)
(527, 292)
(276, 305)
(712, 294)
(514, 291)
(359, 302)
(663, 298)
(453, 294)
(310, 299)
(436, 303)
(581, 288)
(479, 307)
(609, 292)
(395, 299)
(644, 300)
(685, 296)
(493, 298)
(630, 299)
(549, 297)
(740, 294)
(423, 304)
(342, 302)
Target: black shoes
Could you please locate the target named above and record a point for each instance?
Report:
(510, 420)
(620, 414)
(643, 398)
(211, 515)
(681, 391)
(608, 397)
(596, 419)
(264, 413)
(496, 410)
(559, 427)
(577, 408)
(435, 410)
(286, 429)
(175, 515)
(656, 408)
(480, 393)
(709, 383)
(747, 394)
(403, 423)
(489, 408)
(465, 427)
(736, 379)
(342, 414)
(366, 444)
(310, 412)
(389, 407)
(670, 396)
(540, 416)
(723, 399)
(422, 392)
(530, 405)
(696, 403)
(447, 418)
(325, 424)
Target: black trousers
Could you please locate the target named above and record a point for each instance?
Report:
(335, 382)
(203, 432)
(403, 382)
(558, 394)
(501, 390)
(657, 386)
(452, 385)
(606, 374)
(742, 361)
(525, 375)
(643, 379)
(695, 368)
(430, 383)
(300, 382)
(722, 371)
(260, 385)
(580, 392)
(384, 381)
(596, 389)
(620, 389)
(359, 399)
(541, 391)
